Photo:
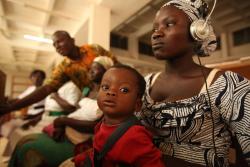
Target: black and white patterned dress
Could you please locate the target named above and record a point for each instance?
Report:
(185, 127)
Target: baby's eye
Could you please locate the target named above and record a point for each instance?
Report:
(105, 87)
(124, 90)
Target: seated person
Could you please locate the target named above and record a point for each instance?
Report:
(34, 111)
(122, 88)
(83, 119)
(74, 67)
(63, 102)
(55, 105)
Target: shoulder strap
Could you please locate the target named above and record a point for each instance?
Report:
(114, 137)
(155, 76)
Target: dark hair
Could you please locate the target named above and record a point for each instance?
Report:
(65, 33)
(39, 72)
(141, 84)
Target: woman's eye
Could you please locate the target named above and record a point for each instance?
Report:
(104, 87)
(154, 29)
(170, 24)
(124, 90)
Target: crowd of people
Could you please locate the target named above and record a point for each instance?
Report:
(100, 112)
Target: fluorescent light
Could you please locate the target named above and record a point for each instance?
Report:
(38, 39)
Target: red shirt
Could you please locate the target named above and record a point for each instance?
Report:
(135, 147)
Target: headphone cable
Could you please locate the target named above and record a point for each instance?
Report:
(209, 103)
(212, 10)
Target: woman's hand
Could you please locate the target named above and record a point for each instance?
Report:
(58, 134)
(59, 125)
(59, 122)
(31, 122)
(54, 95)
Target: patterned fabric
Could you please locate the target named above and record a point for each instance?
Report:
(76, 70)
(185, 128)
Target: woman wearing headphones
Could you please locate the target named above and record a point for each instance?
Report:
(197, 109)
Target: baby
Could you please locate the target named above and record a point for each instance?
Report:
(120, 94)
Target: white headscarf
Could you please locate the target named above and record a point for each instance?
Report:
(105, 61)
(192, 9)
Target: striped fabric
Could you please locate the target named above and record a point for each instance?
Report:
(185, 127)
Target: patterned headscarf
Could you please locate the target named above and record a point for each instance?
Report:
(195, 11)
(105, 61)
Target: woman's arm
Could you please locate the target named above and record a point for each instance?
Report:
(67, 107)
(236, 110)
(79, 125)
(33, 121)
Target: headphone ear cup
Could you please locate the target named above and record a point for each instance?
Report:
(199, 30)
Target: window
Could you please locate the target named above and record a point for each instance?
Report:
(118, 41)
(241, 37)
(145, 49)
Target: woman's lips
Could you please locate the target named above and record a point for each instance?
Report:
(157, 46)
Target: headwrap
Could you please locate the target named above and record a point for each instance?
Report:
(195, 11)
(105, 61)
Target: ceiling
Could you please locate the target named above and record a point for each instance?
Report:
(43, 17)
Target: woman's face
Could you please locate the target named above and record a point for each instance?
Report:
(36, 79)
(96, 72)
(170, 36)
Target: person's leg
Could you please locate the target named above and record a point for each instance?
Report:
(43, 151)
(8, 127)
(15, 157)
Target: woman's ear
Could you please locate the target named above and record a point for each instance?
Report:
(138, 105)
(197, 48)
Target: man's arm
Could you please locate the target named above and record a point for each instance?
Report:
(34, 97)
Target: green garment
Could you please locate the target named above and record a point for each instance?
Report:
(40, 150)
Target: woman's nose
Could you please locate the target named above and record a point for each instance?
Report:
(157, 33)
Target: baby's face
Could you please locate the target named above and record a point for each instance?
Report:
(118, 95)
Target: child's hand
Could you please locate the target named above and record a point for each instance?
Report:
(58, 134)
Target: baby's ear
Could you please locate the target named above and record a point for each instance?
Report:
(138, 105)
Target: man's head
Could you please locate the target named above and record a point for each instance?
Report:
(63, 43)
(37, 77)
